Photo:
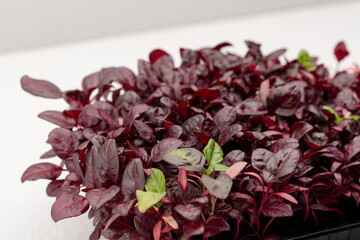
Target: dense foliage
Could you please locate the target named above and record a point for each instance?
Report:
(223, 145)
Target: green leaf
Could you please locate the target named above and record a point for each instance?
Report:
(305, 59)
(207, 171)
(330, 109)
(148, 199)
(213, 153)
(155, 182)
(220, 167)
(191, 158)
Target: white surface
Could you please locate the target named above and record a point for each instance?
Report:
(25, 208)
(29, 23)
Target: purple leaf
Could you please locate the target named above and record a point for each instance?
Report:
(219, 187)
(228, 133)
(284, 143)
(54, 188)
(134, 113)
(190, 212)
(277, 209)
(68, 205)
(163, 147)
(144, 225)
(40, 88)
(225, 117)
(214, 225)
(146, 132)
(41, 171)
(107, 167)
(76, 99)
(123, 208)
(193, 229)
(259, 158)
(233, 157)
(284, 162)
(133, 178)
(58, 118)
(48, 154)
(299, 129)
(284, 100)
(98, 197)
(63, 142)
(192, 124)
(91, 159)
(251, 107)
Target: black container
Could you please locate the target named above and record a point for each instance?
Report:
(349, 231)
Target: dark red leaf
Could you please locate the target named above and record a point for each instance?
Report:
(91, 158)
(63, 142)
(133, 178)
(340, 51)
(214, 225)
(299, 129)
(107, 166)
(190, 212)
(206, 94)
(156, 54)
(144, 224)
(41, 171)
(277, 209)
(193, 229)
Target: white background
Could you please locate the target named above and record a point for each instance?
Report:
(29, 23)
(25, 208)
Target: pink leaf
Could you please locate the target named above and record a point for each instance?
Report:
(287, 197)
(157, 230)
(235, 169)
(182, 179)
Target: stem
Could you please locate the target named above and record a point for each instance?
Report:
(263, 201)
(272, 219)
(237, 229)
(213, 202)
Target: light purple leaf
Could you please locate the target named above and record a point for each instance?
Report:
(58, 118)
(40, 88)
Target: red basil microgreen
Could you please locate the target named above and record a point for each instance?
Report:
(223, 146)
